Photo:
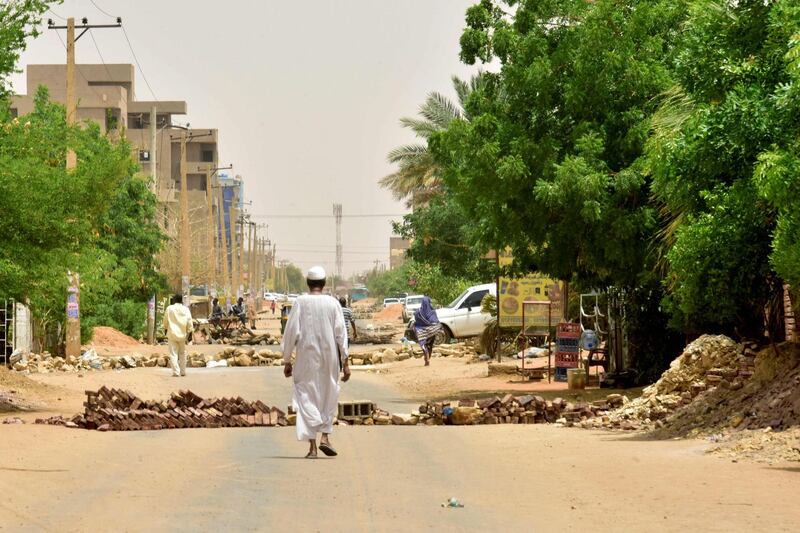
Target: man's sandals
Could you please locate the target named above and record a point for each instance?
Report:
(327, 449)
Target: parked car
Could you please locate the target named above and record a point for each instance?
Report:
(411, 305)
(390, 301)
(291, 297)
(463, 316)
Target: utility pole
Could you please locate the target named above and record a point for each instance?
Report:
(251, 258)
(212, 262)
(337, 213)
(272, 262)
(232, 221)
(154, 149)
(241, 263)
(184, 230)
(72, 111)
(151, 304)
(185, 235)
(73, 330)
(226, 280)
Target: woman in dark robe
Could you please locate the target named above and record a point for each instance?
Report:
(427, 326)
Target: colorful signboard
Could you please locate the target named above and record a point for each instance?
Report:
(512, 292)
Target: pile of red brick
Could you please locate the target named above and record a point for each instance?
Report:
(511, 409)
(120, 410)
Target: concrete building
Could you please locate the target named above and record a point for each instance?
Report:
(106, 96)
(397, 251)
(233, 195)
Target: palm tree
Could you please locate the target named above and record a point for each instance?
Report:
(418, 179)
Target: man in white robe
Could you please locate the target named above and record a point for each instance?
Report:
(317, 332)
(178, 323)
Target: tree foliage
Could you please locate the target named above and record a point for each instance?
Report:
(417, 278)
(723, 158)
(19, 21)
(417, 178)
(550, 162)
(96, 220)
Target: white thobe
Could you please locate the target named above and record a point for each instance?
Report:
(178, 323)
(316, 331)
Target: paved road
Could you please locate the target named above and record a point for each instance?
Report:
(512, 478)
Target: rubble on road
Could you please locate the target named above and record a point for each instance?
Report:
(769, 400)
(527, 409)
(236, 357)
(761, 445)
(251, 339)
(13, 420)
(33, 363)
(390, 355)
(90, 360)
(120, 410)
(709, 367)
(510, 409)
(7, 402)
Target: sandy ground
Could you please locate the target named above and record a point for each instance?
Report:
(511, 478)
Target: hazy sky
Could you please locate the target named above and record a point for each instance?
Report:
(306, 96)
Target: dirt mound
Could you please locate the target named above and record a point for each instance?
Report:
(110, 337)
(364, 303)
(770, 400)
(709, 363)
(389, 313)
(19, 392)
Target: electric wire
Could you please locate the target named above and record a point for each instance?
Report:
(101, 10)
(56, 14)
(103, 61)
(136, 59)
(365, 215)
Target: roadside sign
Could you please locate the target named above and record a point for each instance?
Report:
(535, 287)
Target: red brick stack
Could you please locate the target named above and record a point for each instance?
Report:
(120, 410)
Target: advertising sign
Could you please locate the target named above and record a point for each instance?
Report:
(512, 292)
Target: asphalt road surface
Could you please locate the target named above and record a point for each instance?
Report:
(510, 478)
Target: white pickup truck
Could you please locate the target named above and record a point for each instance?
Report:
(463, 316)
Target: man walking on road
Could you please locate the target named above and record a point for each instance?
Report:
(178, 323)
(316, 331)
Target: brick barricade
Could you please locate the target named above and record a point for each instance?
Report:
(119, 410)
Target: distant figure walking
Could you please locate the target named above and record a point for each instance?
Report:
(349, 322)
(178, 324)
(272, 306)
(427, 326)
(316, 332)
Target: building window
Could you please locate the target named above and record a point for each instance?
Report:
(207, 156)
(14, 112)
(196, 182)
(135, 121)
(144, 156)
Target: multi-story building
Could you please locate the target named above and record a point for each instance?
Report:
(397, 251)
(105, 94)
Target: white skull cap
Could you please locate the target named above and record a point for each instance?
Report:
(315, 273)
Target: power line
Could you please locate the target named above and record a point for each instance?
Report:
(101, 10)
(370, 215)
(79, 69)
(103, 61)
(136, 59)
(56, 14)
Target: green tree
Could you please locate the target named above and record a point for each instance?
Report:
(19, 20)
(550, 162)
(95, 220)
(417, 179)
(722, 158)
(440, 233)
